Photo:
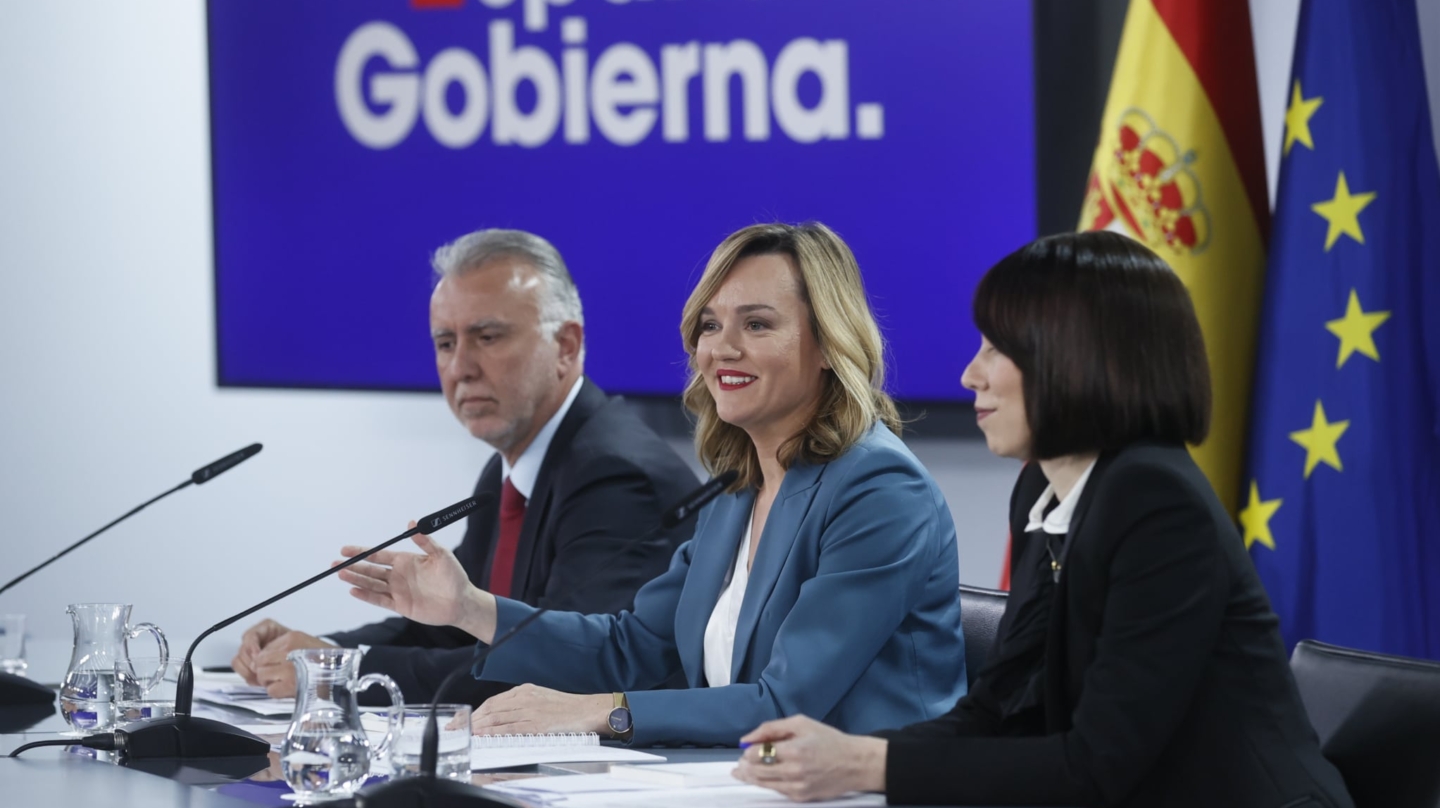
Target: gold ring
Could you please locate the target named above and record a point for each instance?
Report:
(767, 753)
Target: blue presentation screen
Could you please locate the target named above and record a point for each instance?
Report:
(353, 137)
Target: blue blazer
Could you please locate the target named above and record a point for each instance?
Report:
(851, 614)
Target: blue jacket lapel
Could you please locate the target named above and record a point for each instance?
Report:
(713, 554)
(782, 527)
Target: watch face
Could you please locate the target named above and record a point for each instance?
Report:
(620, 720)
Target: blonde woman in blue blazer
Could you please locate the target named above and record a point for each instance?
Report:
(823, 583)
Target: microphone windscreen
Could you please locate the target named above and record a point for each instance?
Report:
(207, 473)
(699, 498)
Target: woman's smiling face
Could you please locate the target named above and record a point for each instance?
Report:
(999, 401)
(757, 350)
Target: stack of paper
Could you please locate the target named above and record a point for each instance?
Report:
(483, 759)
(609, 791)
(229, 690)
(680, 775)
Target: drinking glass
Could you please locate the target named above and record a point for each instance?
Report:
(12, 644)
(454, 758)
(145, 688)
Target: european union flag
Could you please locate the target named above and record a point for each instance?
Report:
(1342, 511)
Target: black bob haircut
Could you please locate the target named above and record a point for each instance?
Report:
(1106, 340)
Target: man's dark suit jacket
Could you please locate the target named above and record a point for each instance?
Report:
(1166, 682)
(605, 481)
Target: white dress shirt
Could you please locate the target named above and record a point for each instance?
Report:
(1057, 522)
(720, 631)
(527, 467)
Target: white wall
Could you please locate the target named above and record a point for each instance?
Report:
(1273, 23)
(107, 357)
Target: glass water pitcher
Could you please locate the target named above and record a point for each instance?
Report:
(102, 638)
(326, 753)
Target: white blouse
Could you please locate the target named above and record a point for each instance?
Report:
(720, 631)
(1057, 522)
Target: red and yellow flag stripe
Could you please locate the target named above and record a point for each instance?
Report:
(1180, 166)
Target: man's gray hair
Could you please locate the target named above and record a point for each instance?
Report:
(560, 300)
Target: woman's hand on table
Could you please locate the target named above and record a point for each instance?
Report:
(813, 761)
(533, 709)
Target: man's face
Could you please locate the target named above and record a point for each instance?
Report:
(496, 366)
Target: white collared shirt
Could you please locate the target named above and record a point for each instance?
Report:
(720, 630)
(1057, 522)
(527, 467)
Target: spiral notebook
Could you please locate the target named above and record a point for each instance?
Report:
(504, 751)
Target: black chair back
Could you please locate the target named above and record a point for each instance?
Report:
(1378, 718)
(980, 611)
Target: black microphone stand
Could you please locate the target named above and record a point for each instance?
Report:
(186, 736)
(18, 690)
(427, 790)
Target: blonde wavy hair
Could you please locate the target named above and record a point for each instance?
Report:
(844, 327)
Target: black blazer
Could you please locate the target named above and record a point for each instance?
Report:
(605, 481)
(1166, 682)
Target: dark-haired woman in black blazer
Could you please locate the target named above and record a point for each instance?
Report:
(1138, 661)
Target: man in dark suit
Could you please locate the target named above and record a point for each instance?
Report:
(576, 481)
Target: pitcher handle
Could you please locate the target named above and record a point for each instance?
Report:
(392, 716)
(141, 628)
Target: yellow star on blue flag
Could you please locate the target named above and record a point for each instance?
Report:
(1342, 213)
(1356, 330)
(1297, 119)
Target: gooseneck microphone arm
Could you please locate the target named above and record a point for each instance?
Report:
(430, 791)
(200, 476)
(430, 741)
(77, 545)
(185, 685)
(183, 735)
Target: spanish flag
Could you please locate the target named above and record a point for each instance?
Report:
(1180, 167)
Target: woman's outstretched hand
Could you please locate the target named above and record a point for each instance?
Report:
(431, 588)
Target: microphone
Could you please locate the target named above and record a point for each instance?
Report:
(18, 690)
(429, 791)
(697, 499)
(185, 736)
(198, 477)
(204, 475)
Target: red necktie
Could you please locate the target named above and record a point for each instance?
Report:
(512, 516)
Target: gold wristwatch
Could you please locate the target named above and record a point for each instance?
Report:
(619, 720)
